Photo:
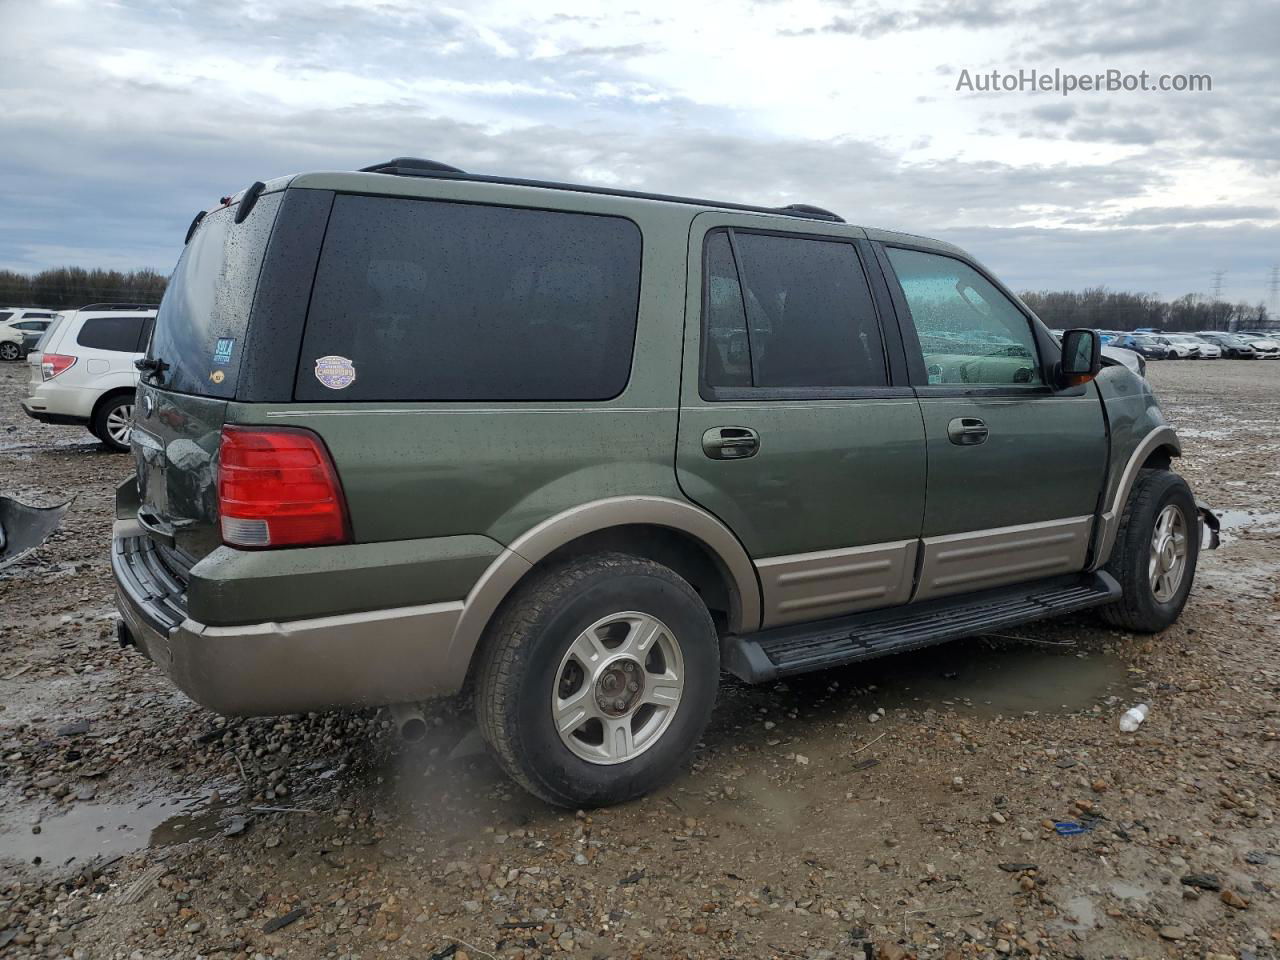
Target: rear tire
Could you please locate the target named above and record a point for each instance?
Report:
(1155, 554)
(10, 351)
(113, 422)
(597, 679)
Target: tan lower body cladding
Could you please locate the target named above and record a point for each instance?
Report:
(830, 583)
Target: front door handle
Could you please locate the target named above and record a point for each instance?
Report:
(730, 443)
(967, 431)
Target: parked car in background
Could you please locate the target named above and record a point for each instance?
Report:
(1149, 347)
(1264, 347)
(592, 503)
(1178, 349)
(1196, 348)
(19, 314)
(1232, 346)
(83, 370)
(30, 325)
(1208, 350)
(13, 344)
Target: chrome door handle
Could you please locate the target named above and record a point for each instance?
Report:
(967, 431)
(730, 443)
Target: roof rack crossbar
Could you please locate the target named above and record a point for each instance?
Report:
(412, 167)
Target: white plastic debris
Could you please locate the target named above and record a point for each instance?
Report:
(1133, 718)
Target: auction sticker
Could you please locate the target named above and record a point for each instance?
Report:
(335, 372)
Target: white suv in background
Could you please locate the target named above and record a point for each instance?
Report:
(20, 329)
(82, 371)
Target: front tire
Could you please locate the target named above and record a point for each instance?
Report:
(597, 679)
(10, 351)
(1155, 554)
(113, 422)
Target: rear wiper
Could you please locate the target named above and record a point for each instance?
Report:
(155, 368)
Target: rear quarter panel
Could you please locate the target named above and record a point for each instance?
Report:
(413, 470)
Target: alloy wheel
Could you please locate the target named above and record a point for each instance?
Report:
(1168, 559)
(120, 423)
(618, 688)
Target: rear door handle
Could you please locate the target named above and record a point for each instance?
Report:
(730, 443)
(967, 431)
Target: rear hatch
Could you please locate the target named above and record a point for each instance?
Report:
(195, 355)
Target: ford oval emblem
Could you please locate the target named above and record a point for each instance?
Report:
(148, 405)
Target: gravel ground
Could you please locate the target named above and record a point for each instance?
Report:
(900, 809)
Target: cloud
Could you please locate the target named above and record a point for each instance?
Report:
(121, 120)
(1158, 216)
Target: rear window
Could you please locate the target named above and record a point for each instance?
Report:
(126, 334)
(201, 325)
(430, 300)
(5, 315)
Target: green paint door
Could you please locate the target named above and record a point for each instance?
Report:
(792, 429)
(1015, 466)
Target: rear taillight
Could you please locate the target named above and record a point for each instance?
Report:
(52, 364)
(277, 487)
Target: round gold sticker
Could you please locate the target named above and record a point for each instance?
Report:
(217, 376)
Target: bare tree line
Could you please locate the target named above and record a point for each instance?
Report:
(64, 287)
(1096, 307)
(1103, 309)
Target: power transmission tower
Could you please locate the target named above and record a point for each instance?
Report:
(1216, 286)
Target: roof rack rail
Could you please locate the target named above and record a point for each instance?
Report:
(415, 167)
(120, 306)
(410, 167)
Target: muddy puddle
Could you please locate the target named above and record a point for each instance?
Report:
(981, 676)
(92, 831)
(1236, 521)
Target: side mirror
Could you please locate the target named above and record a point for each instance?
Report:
(1081, 357)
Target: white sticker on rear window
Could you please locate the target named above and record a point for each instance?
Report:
(335, 372)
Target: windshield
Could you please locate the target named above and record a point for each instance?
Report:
(200, 328)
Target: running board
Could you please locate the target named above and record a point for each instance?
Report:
(786, 651)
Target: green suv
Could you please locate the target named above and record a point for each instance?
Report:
(407, 431)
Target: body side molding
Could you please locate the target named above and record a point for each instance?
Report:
(531, 547)
(980, 559)
(815, 586)
(1109, 522)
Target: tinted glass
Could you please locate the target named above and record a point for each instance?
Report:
(810, 318)
(424, 300)
(970, 332)
(111, 333)
(200, 329)
(5, 315)
(726, 352)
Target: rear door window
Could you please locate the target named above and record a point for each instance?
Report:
(200, 328)
(119, 333)
(429, 300)
(788, 312)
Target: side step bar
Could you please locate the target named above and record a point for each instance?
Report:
(786, 651)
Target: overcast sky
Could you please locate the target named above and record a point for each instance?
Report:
(118, 120)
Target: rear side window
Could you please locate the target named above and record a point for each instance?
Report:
(122, 333)
(788, 312)
(200, 328)
(427, 300)
(5, 315)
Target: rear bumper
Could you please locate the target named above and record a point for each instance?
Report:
(34, 409)
(264, 669)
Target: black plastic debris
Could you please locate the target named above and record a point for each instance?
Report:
(23, 528)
